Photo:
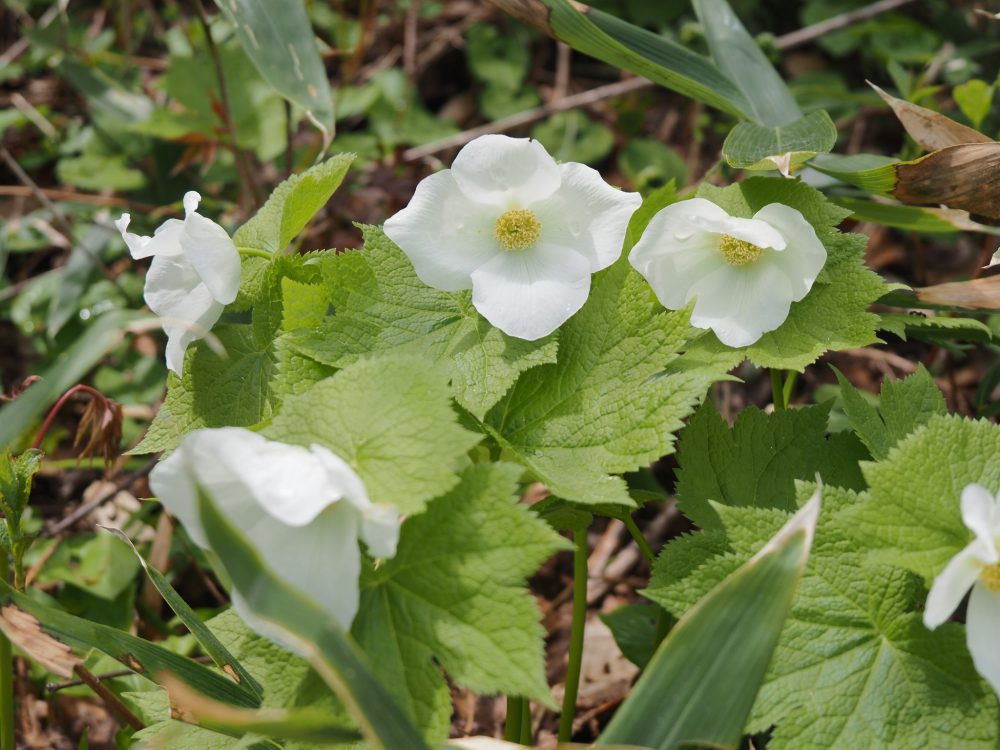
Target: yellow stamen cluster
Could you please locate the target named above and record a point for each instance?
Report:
(517, 229)
(738, 252)
(990, 576)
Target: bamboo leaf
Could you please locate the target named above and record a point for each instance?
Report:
(701, 683)
(930, 129)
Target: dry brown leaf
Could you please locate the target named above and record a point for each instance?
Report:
(978, 294)
(930, 129)
(25, 630)
(956, 176)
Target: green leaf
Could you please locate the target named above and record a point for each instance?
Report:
(688, 694)
(383, 307)
(454, 596)
(644, 53)
(281, 43)
(781, 147)
(206, 638)
(834, 315)
(16, 475)
(855, 645)
(292, 205)
(634, 629)
(870, 172)
(911, 515)
(912, 218)
(904, 406)
(771, 104)
(391, 419)
(756, 462)
(102, 335)
(574, 136)
(575, 422)
(27, 622)
(974, 98)
(936, 329)
(292, 617)
(650, 164)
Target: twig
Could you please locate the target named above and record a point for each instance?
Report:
(71, 196)
(100, 499)
(528, 116)
(119, 709)
(807, 34)
(410, 40)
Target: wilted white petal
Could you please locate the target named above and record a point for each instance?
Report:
(166, 240)
(212, 253)
(444, 234)
(979, 512)
(741, 304)
(498, 169)
(530, 294)
(982, 624)
(805, 255)
(588, 214)
(951, 586)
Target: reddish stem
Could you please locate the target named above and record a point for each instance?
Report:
(58, 405)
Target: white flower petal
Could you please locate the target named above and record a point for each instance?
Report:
(172, 482)
(180, 333)
(673, 266)
(210, 250)
(529, 294)
(587, 214)
(804, 255)
(982, 623)
(951, 585)
(741, 304)
(444, 234)
(166, 240)
(979, 513)
(686, 217)
(500, 170)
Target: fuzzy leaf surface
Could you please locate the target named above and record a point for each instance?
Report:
(454, 596)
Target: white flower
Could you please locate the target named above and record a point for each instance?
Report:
(303, 509)
(521, 231)
(976, 567)
(744, 273)
(194, 274)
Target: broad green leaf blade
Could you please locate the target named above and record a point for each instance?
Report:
(936, 329)
(701, 683)
(756, 461)
(630, 47)
(454, 598)
(292, 205)
(383, 307)
(391, 419)
(904, 406)
(223, 659)
(22, 618)
(280, 41)
(736, 53)
(781, 147)
(293, 618)
(68, 369)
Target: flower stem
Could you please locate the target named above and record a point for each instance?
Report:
(59, 405)
(640, 540)
(256, 252)
(7, 741)
(786, 392)
(575, 636)
(525, 722)
(512, 732)
(777, 390)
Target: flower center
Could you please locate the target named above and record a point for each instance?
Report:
(517, 229)
(738, 252)
(990, 576)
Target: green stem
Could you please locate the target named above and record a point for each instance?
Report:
(777, 390)
(640, 540)
(7, 741)
(786, 392)
(512, 732)
(575, 635)
(525, 722)
(256, 252)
